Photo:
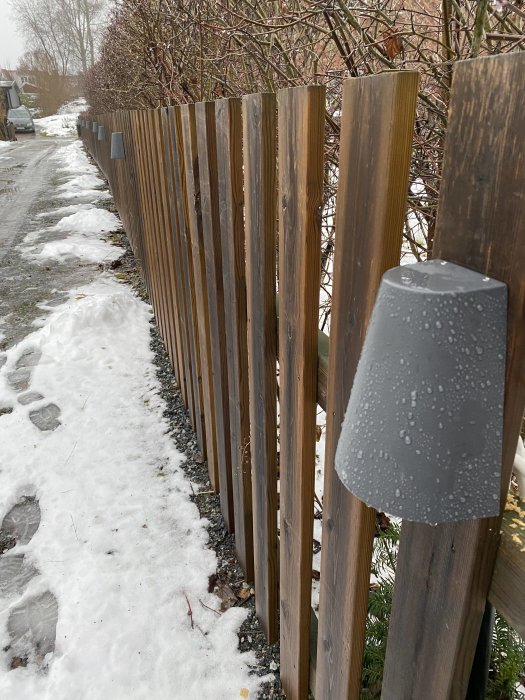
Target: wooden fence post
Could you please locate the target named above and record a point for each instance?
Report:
(444, 572)
(231, 201)
(181, 199)
(194, 208)
(168, 162)
(301, 150)
(371, 197)
(209, 199)
(259, 113)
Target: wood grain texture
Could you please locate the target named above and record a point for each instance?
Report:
(153, 225)
(182, 312)
(194, 208)
(170, 224)
(162, 236)
(209, 198)
(231, 207)
(181, 199)
(376, 137)
(508, 581)
(444, 573)
(139, 140)
(259, 156)
(301, 151)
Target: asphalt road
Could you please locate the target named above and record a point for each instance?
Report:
(28, 182)
(25, 170)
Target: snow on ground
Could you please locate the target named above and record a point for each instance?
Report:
(74, 107)
(83, 223)
(64, 122)
(120, 545)
(57, 125)
(95, 598)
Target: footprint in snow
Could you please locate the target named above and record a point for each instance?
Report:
(20, 523)
(32, 629)
(32, 623)
(29, 358)
(29, 397)
(19, 378)
(15, 574)
(46, 417)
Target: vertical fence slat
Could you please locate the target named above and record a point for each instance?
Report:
(166, 249)
(182, 312)
(374, 162)
(209, 198)
(153, 232)
(301, 149)
(179, 183)
(193, 202)
(444, 572)
(138, 138)
(259, 157)
(231, 199)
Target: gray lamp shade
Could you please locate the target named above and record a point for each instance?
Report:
(422, 434)
(101, 133)
(95, 127)
(117, 146)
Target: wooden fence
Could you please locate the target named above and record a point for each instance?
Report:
(201, 192)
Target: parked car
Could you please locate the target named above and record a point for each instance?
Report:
(21, 119)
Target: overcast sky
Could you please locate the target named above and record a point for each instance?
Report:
(11, 40)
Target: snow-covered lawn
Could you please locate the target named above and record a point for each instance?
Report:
(64, 122)
(109, 551)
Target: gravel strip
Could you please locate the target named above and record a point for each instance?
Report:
(228, 582)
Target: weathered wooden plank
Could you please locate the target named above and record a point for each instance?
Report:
(138, 138)
(193, 197)
(182, 313)
(444, 572)
(160, 239)
(374, 162)
(301, 150)
(209, 199)
(508, 581)
(231, 207)
(259, 112)
(188, 283)
(168, 221)
(154, 226)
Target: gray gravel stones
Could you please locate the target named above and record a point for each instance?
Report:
(228, 581)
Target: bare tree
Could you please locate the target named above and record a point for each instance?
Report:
(159, 52)
(64, 31)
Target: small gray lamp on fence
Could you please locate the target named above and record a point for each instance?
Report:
(101, 133)
(422, 434)
(95, 127)
(117, 146)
